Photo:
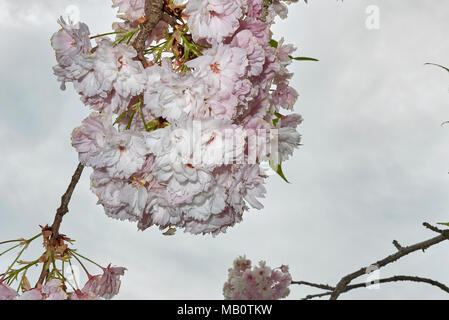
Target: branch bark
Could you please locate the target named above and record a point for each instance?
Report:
(343, 285)
(65, 200)
(60, 212)
(153, 14)
(385, 280)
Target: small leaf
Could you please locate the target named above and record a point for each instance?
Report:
(303, 58)
(25, 284)
(128, 126)
(444, 223)
(273, 43)
(278, 169)
(170, 232)
(278, 117)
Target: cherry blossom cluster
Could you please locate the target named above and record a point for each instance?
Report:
(257, 283)
(52, 283)
(178, 141)
(104, 286)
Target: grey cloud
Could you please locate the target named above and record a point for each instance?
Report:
(373, 166)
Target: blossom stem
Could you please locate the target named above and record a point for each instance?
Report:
(15, 260)
(10, 241)
(91, 261)
(12, 248)
(82, 265)
(106, 34)
(73, 275)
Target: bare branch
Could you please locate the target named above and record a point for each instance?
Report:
(344, 282)
(385, 280)
(398, 245)
(65, 200)
(433, 228)
(62, 210)
(153, 14)
(314, 285)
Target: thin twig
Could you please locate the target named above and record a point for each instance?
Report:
(314, 285)
(385, 280)
(398, 245)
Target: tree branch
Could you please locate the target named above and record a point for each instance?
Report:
(62, 210)
(385, 280)
(153, 14)
(343, 283)
(65, 200)
(314, 285)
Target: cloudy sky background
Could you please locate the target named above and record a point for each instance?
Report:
(373, 167)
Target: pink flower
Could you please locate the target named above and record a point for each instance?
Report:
(291, 120)
(70, 40)
(289, 139)
(100, 145)
(71, 45)
(52, 290)
(106, 285)
(284, 97)
(257, 283)
(255, 53)
(129, 9)
(89, 138)
(7, 293)
(148, 171)
(222, 65)
(213, 19)
(80, 295)
(34, 294)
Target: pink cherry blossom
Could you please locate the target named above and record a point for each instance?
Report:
(140, 138)
(106, 285)
(7, 293)
(256, 283)
(130, 9)
(213, 19)
(52, 290)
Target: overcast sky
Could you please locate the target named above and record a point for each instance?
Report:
(373, 167)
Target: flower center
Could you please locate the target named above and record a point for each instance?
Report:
(215, 67)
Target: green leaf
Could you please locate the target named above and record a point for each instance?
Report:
(444, 223)
(434, 64)
(303, 58)
(131, 119)
(274, 43)
(278, 169)
(152, 125)
(278, 117)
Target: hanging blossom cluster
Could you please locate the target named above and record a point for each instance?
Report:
(57, 259)
(104, 286)
(177, 140)
(257, 283)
